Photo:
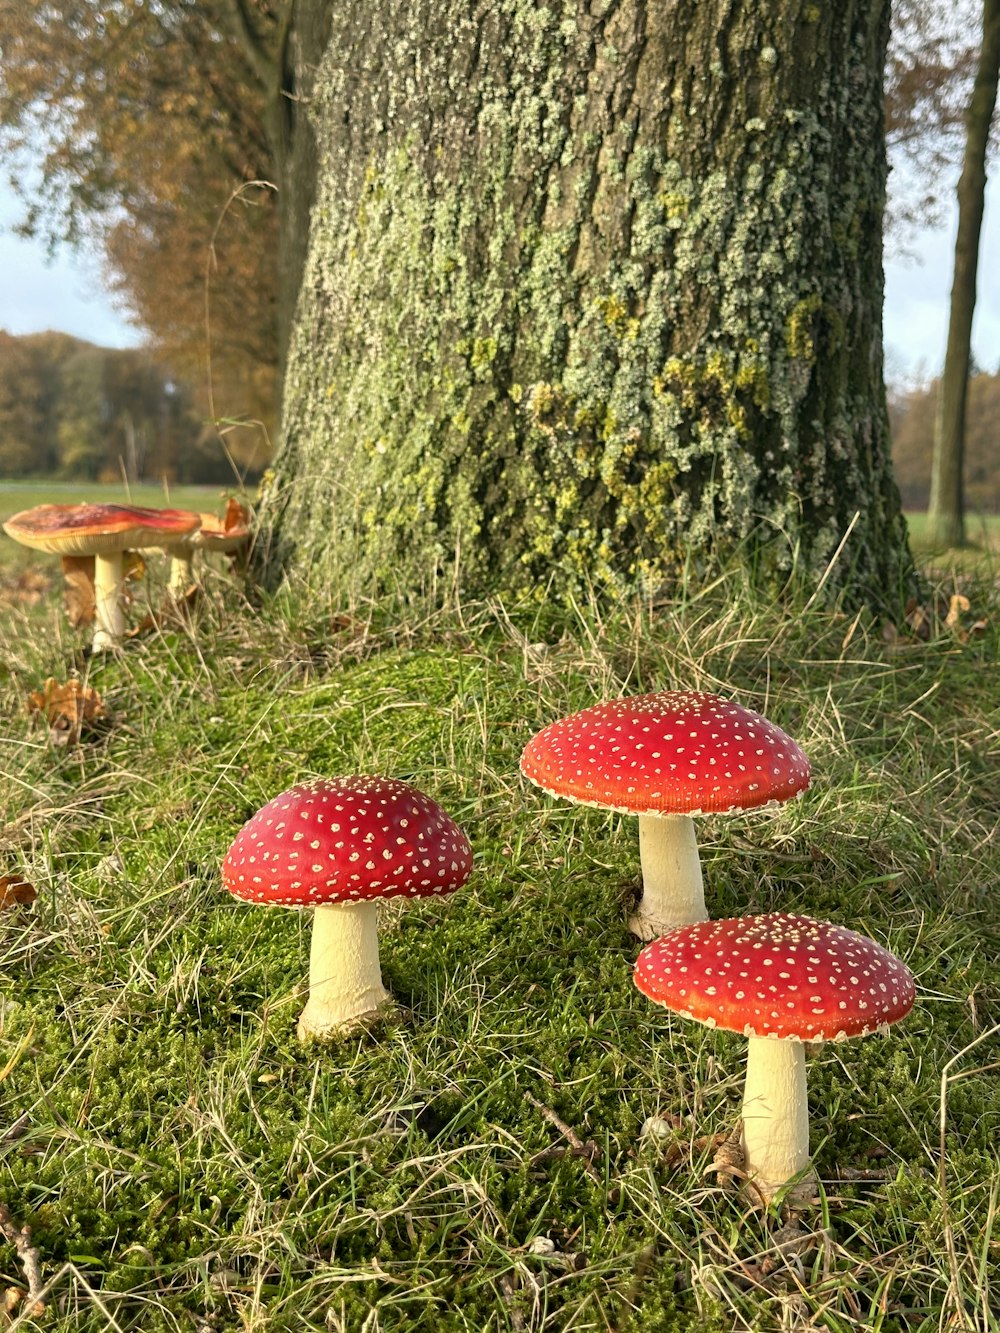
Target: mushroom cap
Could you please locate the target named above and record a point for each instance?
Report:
(97, 529)
(225, 534)
(777, 975)
(347, 840)
(220, 534)
(674, 752)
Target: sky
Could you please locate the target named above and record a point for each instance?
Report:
(68, 294)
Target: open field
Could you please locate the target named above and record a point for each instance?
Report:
(16, 495)
(185, 1164)
(982, 529)
(981, 556)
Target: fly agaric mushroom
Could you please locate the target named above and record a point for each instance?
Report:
(104, 531)
(227, 535)
(667, 757)
(340, 845)
(782, 981)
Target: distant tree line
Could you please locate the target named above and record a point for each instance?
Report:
(71, 409)
(912, 415)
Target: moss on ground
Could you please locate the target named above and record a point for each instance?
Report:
(184, 1163)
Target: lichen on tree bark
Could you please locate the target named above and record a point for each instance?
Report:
(591, 289)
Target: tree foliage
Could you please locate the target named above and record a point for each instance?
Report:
(70, 409)
(913, 414)
(150, 117)
(929, 71)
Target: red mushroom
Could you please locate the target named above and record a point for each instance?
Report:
(104, 531)
(667, 757)
(782, 980)
(340, 845)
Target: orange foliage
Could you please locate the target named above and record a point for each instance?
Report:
(153, 121)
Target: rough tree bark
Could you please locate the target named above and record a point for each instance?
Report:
(592, 289)
(284, 61)
(947, 503)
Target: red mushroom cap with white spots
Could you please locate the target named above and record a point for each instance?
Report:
(777, 975)
(347, 840)
(674, 752)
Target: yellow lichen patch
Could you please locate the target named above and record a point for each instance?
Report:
(800, 328)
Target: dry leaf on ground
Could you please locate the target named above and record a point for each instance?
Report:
(24, 589)
(236, 516)
(78, 589)
(69, 709)
(15, 891)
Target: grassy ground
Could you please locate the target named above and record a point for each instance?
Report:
(981, 554)
(185, 1164)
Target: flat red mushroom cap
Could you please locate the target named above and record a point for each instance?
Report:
(97, 529)
(347, 840)
(674, 752)
(777, 975)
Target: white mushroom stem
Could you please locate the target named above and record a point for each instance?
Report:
(775, 1113)
(345, 980)
(109, 576)
(181, 571)
(672, 891)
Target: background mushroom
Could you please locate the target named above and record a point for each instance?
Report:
(229, 535)
(782, 981)
(340, 845)
(104, 531)
(667, 757)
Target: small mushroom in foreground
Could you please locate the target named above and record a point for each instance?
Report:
(104, 531)
(667, 757)
(782, 981)
(340, 845)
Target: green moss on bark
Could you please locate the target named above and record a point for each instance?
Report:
(587, 295)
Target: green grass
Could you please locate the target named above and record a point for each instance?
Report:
(980, 556)
(185, 1164)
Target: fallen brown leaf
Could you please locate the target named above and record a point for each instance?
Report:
(237, 516)
(24, 589)
(15, 891)
(956, 605)
(78, 589)
(68, 709)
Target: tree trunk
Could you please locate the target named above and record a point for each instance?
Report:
(293, 145)
(947, 503)
(593, 297)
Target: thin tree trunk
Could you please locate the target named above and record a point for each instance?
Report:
(947, 502)
(593, 297)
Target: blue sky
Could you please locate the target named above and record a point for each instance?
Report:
(68, 294)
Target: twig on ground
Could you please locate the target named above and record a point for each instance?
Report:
(587, 1151)
(20, 1238)
(728, 1161)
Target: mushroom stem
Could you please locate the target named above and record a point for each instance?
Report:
(345, 980)
(181, 572)
(775, 1114)
(672, 891)
(109, 629)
